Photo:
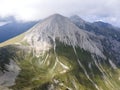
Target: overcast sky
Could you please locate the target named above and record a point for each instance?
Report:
(91, 10)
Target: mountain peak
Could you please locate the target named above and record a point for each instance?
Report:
(77, 19)
(56, 15)
(102, 24)
(43, 36)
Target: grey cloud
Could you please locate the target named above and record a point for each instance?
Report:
(106, 10)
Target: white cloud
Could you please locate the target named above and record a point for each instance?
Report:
(106, 10)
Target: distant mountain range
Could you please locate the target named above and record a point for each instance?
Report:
(99, 28)
(111, 35)
(61, 53)
(13, 28)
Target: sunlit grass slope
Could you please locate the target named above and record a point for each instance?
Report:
(63, 69)
(13, 40)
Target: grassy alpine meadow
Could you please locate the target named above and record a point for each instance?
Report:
(60, 69)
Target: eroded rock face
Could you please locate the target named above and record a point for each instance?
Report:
(43, 35)
(8, 77)
(111, 34)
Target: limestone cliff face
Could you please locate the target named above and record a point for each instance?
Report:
(57, 27)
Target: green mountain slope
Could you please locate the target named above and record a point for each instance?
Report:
(78, 64)
(63, 70)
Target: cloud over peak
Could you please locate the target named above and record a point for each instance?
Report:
(27, 10)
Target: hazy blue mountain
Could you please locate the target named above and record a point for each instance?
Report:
(9, 18)
(13, 28)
